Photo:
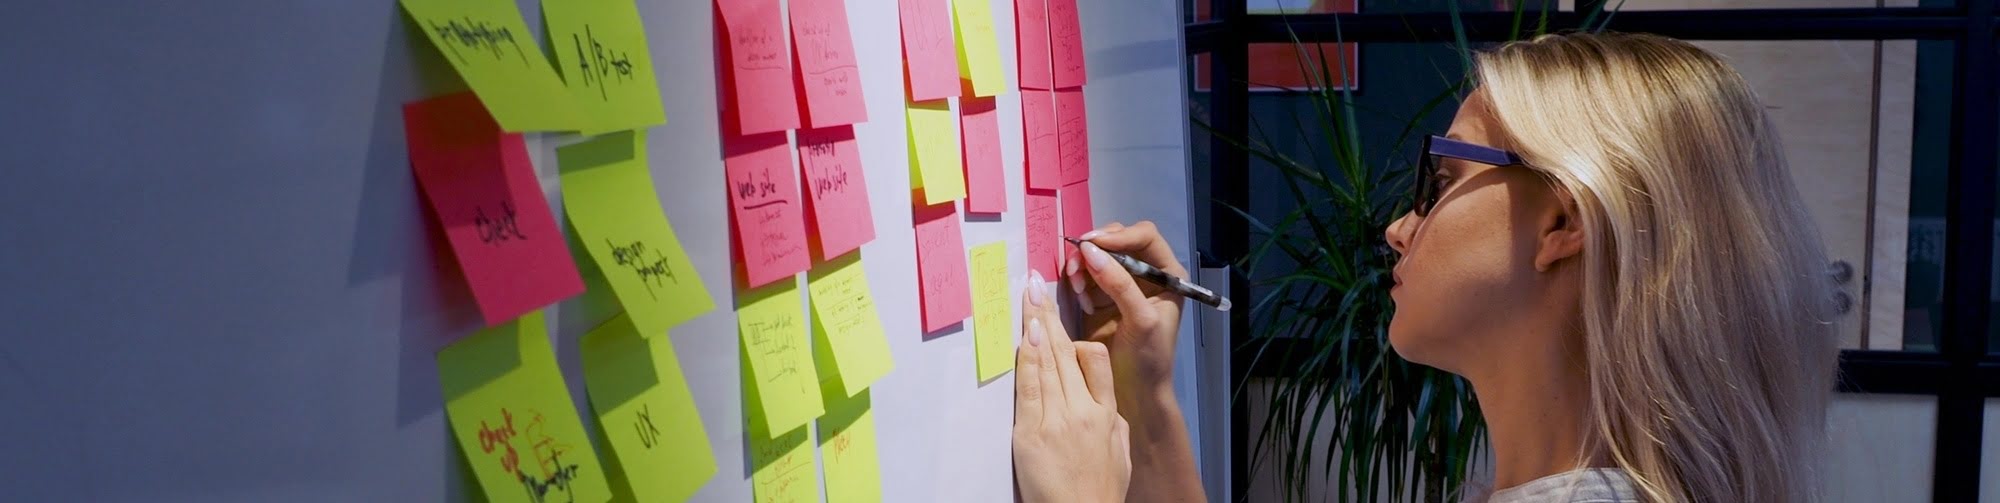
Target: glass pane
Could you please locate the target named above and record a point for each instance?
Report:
(1636, 5)
(1989, 455)
(1881, 448)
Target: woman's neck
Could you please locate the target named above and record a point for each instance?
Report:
(1536, 409)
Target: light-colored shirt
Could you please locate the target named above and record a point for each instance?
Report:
(1589, 485)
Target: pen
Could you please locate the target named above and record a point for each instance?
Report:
(1156, 276)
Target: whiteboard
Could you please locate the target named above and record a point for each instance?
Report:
(221, 285)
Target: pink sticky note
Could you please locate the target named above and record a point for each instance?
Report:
(1066, 43)
(758, 90)
(482, 188)
(979, 125)
(839, 192)
(930, 56)
(1073, 132)
(1031, 33)
(941, 270)
(1076, 209)
(1038, 129)
(827, 69)
(1044, 242)
(764, 201)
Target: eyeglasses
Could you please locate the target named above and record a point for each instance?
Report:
(1425, 192)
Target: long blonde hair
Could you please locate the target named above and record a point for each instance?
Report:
(1706, 306)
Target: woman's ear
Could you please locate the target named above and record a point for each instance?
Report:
(1561, 232)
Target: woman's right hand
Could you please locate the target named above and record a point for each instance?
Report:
(1139, 321)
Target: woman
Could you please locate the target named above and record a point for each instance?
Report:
(1607, 245)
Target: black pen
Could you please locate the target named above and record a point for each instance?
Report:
(1156, 276)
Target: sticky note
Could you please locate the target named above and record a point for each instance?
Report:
(600, 47)
(1031, 48)
(1066, 44)
(941, 274)
(930, 59)
(773, 331)
(490, 46)
(1044, 233)
(608, 193)
(993, 314)
(934, 152)
(978, 48)
(757, 86)
(513, 417)
(846, 322)
(483, 190)
(985, 188)
(764, 199)
(837, 190)
(828, 71)
(1073, 136)
(646, 413)
(1038, 130)
(847, 444)
(782, 465)
(1076, 209)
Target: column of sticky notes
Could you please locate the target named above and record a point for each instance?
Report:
(1055, 132)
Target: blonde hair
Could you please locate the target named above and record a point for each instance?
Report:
(1705, 299)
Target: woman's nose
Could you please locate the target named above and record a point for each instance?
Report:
(1398, 233)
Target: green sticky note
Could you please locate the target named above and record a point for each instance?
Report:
(935, 164)
(646, 413)
(513, 417)
(781, 466)
(608, 194)
(600, 46)
(992, 310)
(845, 321)
(773, 331)
(492, 49)
(978, 48)
(847, 449)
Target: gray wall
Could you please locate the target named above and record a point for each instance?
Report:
(222, 286)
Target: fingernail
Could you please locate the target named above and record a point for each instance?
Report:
(1036, 296)
(1099, 261)
(1034, 332)
(1085, 304)
(1090, 235)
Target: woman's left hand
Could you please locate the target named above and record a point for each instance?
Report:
(1070, 444)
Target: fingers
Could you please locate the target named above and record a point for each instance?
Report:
(1073, 269)
(1039, 348)
(1028, 391)
(1095, 361)
(1071, 374)
(1119, 285)
(1141, 241)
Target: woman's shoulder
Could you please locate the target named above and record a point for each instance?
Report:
(1588, 485)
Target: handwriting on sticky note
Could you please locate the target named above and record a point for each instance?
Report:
(930, 58)
(993, 315)
(838, 188)
(760, 68)
(1076, 209)
(490, 46)
(1039, 140)
(1066, 43)
(846, 320)
(773, 333)
(483, 191)
(1073, 135)
(827, 65)
(1044, 234)
(784, 468)
(986, 188)
(978, 48)
(934, 151)
(847, 444)
(601, 48)
(941, 273)
(609, 196)
(764, 198)
(511, 415)
(1031, 32)
(646, 412)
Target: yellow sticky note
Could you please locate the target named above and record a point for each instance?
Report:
(992, 311)
(934, 162)
(847, 449)
(646, 413)
(492, 49)
(978, 47)
(781, 466)
(513, 418)
(845, 321)
(773, 331)
(601, 48)
(608, 194)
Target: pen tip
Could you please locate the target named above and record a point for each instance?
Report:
(1073, 241)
